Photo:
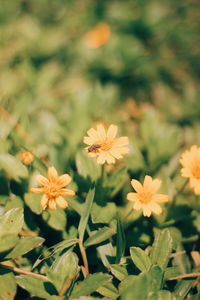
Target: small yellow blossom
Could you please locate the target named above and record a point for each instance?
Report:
(98, 36)
(104, 145)
(53, 189)
(145, 197)
(27, 157)
(190, 161)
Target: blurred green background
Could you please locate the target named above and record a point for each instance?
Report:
(55, 86)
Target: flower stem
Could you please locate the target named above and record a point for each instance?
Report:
(65, 287)
(84, 257)
(185, 276)
(21, 271)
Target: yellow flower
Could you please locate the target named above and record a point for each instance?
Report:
(98, 36)
(53, 189)
(145, 197)
(190, 161)
(104, 145)
(27, 157)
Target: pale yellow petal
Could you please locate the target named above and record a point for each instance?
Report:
(115, 152)
(41, 179)
(92, 133)
(137, 205)
(132, 197)
(60, 201)
(66, 192)
(155, 208)
(146, 211)
(185, 172)
(52, 204)
(44, 202)
(52, 174)
(89, 140)
(101, 132)
(123, 150)
(101, 158)
(121, 141)
(136, 185)
(112, 132)
(151, 184)
(63, 180)
(160, 198)
(110, 159)
(37, 190)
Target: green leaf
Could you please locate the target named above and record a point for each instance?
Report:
(182, 288)
(64, 268)
(140, 259)
(8, 286)
(108, 290)
(90, 284)
(121, 242)
(86, 213)
(103, 214)
(99, 236)
(8, 241)
(116, 180)
(12, 221)
(165, 295)
(12, 166)
(36, 286)
(119, 272)
(33, 202)
(162, 248)
(56, 219)
(86, 166)
(25, 245)
(172, 272)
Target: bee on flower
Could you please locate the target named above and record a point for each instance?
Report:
(27, 157)
(190, 161)
(98, 36)
(104, 144)
(146, 197)
(53, 188)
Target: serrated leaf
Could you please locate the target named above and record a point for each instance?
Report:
(119, 272)
(103, 214)
(65, 267)
(33, 202)
(86, 166)
(108, 290)
(90, 284)
(99, 236)
(8, 286)
(56, 219)
(140, 259)
(12, 166)
(86, 213)
(36, 286)
(25, 245)
(121, 242)
(12, 221)
(161, 248)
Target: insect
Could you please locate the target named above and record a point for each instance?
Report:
(94, 148)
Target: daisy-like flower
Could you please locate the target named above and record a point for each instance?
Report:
(104, 145)
(53, 189)
(98, 36)
(190, 161)
(145, 197)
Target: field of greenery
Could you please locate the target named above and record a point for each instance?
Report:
(99, 150)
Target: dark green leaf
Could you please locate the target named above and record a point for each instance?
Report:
(140, 259)
(8, 286)
(99, 236)
(121, 242)
(12, 166)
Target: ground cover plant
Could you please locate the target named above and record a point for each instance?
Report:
(99, 150)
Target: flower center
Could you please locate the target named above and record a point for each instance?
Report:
(100, 145)
(106, 145)
(145, 197)
(196, 171)
(52, 190)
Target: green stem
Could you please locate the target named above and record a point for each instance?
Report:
(84, 257)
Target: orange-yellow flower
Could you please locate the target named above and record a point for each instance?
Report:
(98, 36)
(53, 189)
(190, 161)
(104, 145)
(145, 197)
(27, 157)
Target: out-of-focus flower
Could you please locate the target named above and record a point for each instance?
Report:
(53, 189)
(145, 197)
(27, 157)
(98, 36)
(104, 145)
(190, 161)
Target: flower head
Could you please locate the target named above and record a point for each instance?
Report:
(53, 189)
(98, 36)
(190, 161)
(104, 145)
(145, 197)
(27, 157)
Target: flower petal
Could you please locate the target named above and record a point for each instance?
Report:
(92, 133)
(41, 179)
(63, 180)
(112, 132)
(136, 185)
(66, 192)
(101, 158)
(151, 185)
(89, 140)
(60, 201)
(101, 132)
(52, 174)
(137, 205)
(146, 211)
(155, 208)
(110, 159)
(37, 190)
(115, 153)
(52, 204)
(160, 198)
(121, 141)
(132, 197)
(44, 201)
